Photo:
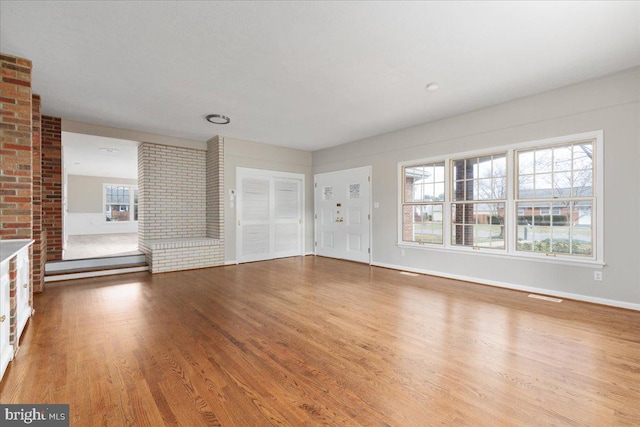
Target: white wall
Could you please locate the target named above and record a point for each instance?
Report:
(131, 135)
(85, 210)
(240, 153)
(94, 223)
(610, 103)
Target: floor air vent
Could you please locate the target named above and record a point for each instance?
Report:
(407, 273)
(542, 297)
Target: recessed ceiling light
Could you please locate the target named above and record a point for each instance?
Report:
(433, 86)
(110, 150)
(218, 119)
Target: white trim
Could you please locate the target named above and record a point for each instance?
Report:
(510, 251)
(370, 214)
(530, 289)
(232, 262)
(511, 244)
(598, 176)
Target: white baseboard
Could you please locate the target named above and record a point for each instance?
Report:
(532, 289)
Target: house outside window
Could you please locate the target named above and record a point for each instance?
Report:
(120, 202)
(135, 203)
(555, 191)
(479, 196)
(539, 200)
(423, 203)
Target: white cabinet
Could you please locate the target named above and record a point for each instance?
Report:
(23, 291)
(13, 251)
(6, 350)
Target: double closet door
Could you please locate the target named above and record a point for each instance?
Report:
(270, 214)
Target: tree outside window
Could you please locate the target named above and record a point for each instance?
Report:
(555, 199)
(479, 200)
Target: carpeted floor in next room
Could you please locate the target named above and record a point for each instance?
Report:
(101, 245)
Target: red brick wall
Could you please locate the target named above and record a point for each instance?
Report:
(15, 148)
(407, 211)
(52, 185)
(39, 251)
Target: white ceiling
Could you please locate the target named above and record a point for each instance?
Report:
(307, 74)
(90, 155)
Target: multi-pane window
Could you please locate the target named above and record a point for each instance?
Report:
(120, 201)
(527, 200)
(135, 203)
(555, 199)
(423, 203)
(479, 201)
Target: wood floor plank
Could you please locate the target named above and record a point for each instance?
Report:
(316, 341)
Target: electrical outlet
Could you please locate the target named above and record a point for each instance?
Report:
(597, 276)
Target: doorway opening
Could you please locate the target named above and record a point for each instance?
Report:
(99, 197)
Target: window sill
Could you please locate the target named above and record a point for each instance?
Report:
(557, 259)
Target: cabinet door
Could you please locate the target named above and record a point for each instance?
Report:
(23, 310)
(6, 351)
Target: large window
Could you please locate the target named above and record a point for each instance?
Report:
(555, 199)
(423, 203)
(537, 199)
(120, 201)
(479, 201)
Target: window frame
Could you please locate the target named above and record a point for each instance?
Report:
(132, 203)
(510, 251)
(476, 201)
(404, 203)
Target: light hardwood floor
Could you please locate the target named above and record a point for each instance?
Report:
(312, 341)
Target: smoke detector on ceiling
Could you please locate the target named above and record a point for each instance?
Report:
(432, 86)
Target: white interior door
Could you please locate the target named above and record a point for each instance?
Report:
(270, 215)
(288, 212)
(254, 225)
(343, 215)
